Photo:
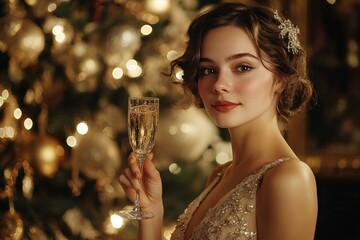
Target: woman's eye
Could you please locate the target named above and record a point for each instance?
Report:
(243, 68)
(206, 71)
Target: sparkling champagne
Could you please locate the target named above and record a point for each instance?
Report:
(143, 121)
(143, 117)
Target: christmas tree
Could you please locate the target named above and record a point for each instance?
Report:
(67, 69)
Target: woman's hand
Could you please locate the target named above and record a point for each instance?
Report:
(148, 185)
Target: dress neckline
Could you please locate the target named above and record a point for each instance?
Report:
(212, 185)
(184, 218)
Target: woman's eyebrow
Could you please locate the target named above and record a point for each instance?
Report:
(203, 59)
(232, 57)
(241, 55)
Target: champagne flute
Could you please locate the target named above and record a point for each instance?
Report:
(143, 117)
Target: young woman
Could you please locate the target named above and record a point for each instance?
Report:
(245, 66)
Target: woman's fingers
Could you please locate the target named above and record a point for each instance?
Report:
(124, 181)
(150, 169)
(127, 186)
(133, 181)
(133, 164)
(148, 185)
(130, 184)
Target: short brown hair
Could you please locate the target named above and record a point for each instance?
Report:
(263, 30)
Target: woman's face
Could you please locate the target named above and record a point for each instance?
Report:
(233, 84)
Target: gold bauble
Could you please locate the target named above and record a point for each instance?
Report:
(97, 156)
(62, 33)
(84, 67)
(11, 226)
(9, 26)
(184, 134)
(27, 44)
(121, 43)
(111, 117)
(44, 153)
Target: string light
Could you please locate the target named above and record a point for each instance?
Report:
(158, 6)
(174, 168)
(146, 30)
(116, 221)
(82, 128)
(71, 141)
(117, 73)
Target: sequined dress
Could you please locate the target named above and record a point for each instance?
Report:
(233, 217)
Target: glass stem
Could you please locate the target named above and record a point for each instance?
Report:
(137, 201)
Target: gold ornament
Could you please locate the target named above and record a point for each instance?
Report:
(110, 118)
(11, 226)
(27, 44)
(62, 33)
(28, 181)
(83, 67)
(44, 153)
(9, 26)
(184, 135)
(9, 126)
(121, 43)
(97, 156)
(79, 224)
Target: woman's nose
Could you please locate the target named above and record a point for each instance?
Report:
(221, 84)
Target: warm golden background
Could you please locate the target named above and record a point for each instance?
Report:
(67, 68)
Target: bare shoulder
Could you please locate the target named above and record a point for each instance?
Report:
(288, 173)
(287, 180)
(287, 202)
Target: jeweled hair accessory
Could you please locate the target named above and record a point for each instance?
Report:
(292, 31)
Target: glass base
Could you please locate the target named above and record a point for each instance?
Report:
(136, 214)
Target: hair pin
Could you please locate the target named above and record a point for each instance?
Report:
(292, 31)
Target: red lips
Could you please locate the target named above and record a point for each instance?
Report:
(224, 106)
